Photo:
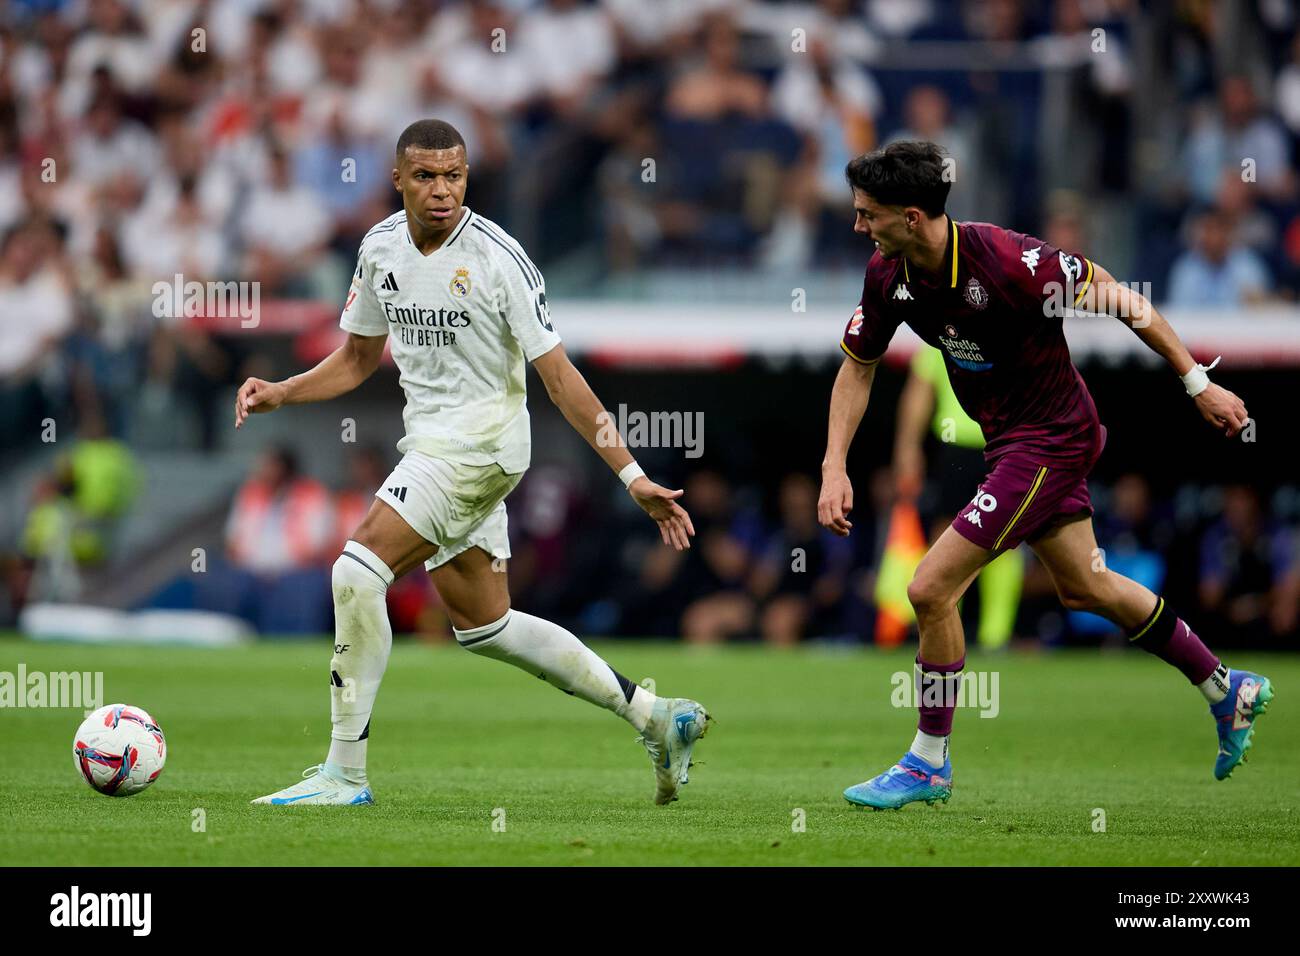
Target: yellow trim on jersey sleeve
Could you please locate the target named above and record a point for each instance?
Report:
(1086, 282)
(860, 361)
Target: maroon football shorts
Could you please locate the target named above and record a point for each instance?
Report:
(1023, 497)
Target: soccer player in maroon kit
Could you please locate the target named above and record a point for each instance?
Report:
(993, 301)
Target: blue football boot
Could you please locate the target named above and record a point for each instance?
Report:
(908, 781)
(1248, 697)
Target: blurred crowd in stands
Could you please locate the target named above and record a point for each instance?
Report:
(760, 569)
(252, 140)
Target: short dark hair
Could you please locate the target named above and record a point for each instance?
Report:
(429, 134)
(903, 174)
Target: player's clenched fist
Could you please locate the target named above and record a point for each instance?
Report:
(257, 396)
(835, 503)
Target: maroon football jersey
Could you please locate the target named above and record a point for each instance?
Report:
(995, 311)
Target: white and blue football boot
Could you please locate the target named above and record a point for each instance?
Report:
(675, 724)
(320, 787)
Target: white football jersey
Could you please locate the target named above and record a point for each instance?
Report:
(463, 322)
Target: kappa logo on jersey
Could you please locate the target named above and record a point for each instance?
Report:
(1030, 258)
(902, 293)
(974, 518)
(855, 323)
(976, 296)
(398, 493)
(460, 283)
(389, 284)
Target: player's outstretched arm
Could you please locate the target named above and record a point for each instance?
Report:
(338, 373)
(582, 409)
(848, 405)
(1218, 406)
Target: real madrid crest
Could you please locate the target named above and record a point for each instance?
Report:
(976, 297)
(460, 283)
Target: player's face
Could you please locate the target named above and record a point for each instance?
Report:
(887, 225)
(432, 183)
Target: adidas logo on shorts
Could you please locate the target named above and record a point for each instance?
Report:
(398, 493)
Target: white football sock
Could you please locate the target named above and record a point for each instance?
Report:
(363, 639)
(1215, 687)
(552, 653)
(933, 750)
(348, 757)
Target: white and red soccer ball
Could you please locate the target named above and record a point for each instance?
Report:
(119, 750)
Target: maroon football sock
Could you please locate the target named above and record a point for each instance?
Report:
(936, 695)
(1168, 637)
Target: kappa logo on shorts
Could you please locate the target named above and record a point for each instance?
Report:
(983, 501)
(398, 493)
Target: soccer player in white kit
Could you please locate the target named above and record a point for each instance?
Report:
(464, 309)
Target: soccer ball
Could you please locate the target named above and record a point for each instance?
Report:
(119, 749)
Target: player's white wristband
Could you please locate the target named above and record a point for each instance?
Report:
(630, 473)
(1196, 381)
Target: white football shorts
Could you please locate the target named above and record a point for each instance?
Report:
(452, 505)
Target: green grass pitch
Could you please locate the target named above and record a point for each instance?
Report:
(460, 743)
